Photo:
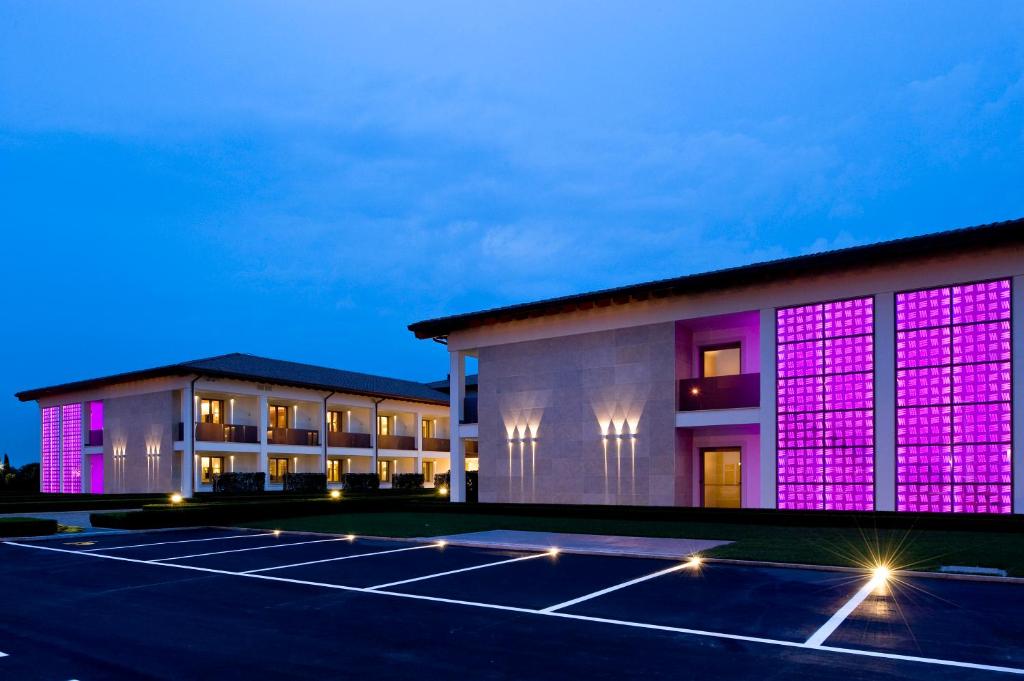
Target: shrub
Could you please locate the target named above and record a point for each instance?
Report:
(26, 527)
(239, 483)
(308, 483)
(472, 483)
(407, 481)
(360, 482)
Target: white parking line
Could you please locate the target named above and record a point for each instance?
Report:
(563, 615)
(818, 637)
(452, 572)
(330, 560)
(180, 541)
(3, 654)
(623, 585)
(252, 548)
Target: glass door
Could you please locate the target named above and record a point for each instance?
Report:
(721, 478)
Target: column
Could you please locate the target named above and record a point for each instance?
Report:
(768, 409)
(323, 437)
(418, 424)
(457, 391)
(885, 401)
(1017, 380)
(188, 420)
(264, 415)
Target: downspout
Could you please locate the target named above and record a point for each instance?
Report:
(376, 404)
(326, 434)
(192, 430)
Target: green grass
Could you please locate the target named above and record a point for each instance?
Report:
(907, 549)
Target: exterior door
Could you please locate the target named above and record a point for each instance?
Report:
(721, 478)
(96, 474)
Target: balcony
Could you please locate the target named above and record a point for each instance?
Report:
(436, 444)
(227, 432)
(293, 436)
(720, 392)
(94, 438)
(396, 442)
(340, 439)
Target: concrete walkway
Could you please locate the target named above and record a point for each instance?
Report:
(638, 547)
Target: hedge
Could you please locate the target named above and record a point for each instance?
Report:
(407, 481)
(239, 483)
(360, 482)
(26, 527)
(306, 483)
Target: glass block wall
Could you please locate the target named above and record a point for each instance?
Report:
(825, 426)
(953, 396)
(50, 450)
(71, 447)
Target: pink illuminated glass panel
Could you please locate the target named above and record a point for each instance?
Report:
(953, 396)
(71, 448)
(825, 426)
(50, 450)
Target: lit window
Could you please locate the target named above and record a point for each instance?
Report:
(428, 428)
(384, 470)
(210, 466)
(335, 421)
(278, 417)
(210, 411)
(278, 468)
(720, 360)
(333, 470)
(383, 425)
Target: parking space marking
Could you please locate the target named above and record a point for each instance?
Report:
(623, 585)
(180, 541)
(564, 615)
(252, 548)
(452, 572)
(818, 637)
(329, 560)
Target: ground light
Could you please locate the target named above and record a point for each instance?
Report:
(553, 551)
(882, 573)
(350, 537)
(277, 533)
(335, 494)
(176, 498)
(441, 544)
(695, 561)
(442, 490)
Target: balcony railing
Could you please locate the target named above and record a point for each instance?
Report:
(436, 444)
(720, 392)
(293, 436)
(227, 432)
(340, 439)
(94, 438)
(469, 409)
(396, 442)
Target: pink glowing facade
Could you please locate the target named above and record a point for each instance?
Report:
(50, 450)
(954, 403)
(825, 426)
(71, 448)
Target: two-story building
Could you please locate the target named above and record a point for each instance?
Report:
(882, 377)
(175, 427)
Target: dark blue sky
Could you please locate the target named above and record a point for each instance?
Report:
(302, 180)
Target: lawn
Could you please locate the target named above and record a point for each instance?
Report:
(852, 547)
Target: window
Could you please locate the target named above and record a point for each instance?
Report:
(825, 399)
(429, 427)
(428, 472)
(953, 399)
(722, 478)
(335, 421)
(210, 466)
(211, 411)
(383, 425)
(334, 470)
(720, 360)
(278, 468)
(384, 470)
(278, 417)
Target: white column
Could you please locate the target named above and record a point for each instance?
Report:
(768, 409)
(1017, 449)
(264, 415)
(188, 420)
(419, 431)
(457, 391)
(885, 402)
(323, 437)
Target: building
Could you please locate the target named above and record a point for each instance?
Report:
(172, 428)
(884, 377)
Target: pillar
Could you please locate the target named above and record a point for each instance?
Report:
(885, 402)
(188, 419)
(457, 391)
(1017, 381)
(768, 468)
(264, 416)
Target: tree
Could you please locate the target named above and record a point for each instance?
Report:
(7, 462)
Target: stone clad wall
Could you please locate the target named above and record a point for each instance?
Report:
(566, 392)
(143, 427)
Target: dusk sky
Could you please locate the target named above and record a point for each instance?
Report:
(303, 180)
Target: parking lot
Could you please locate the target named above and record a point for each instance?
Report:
(256, 604)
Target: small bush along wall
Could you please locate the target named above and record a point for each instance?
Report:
(407, 481)
(472, 486)
(308, 483)
(360, 482)
(239, 483)
(26, 527)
